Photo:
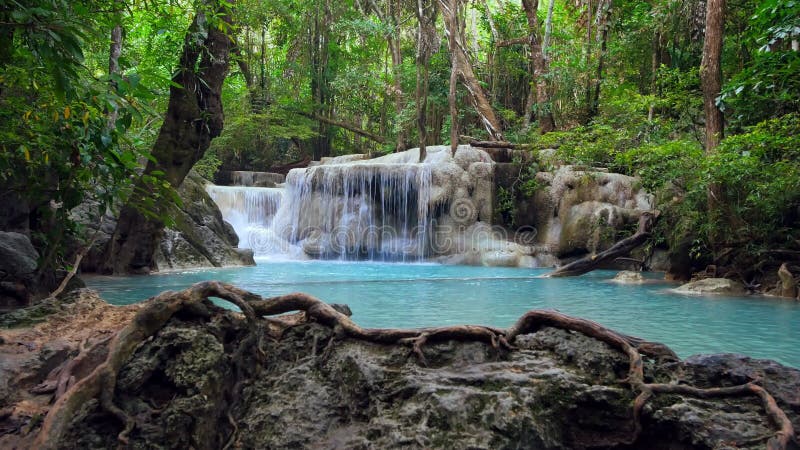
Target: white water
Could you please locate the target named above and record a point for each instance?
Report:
(335, 211)
(250, 210)
(358, 211)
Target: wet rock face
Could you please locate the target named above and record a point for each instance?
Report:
(628, 277)
(574, 210)
(17, 270)
(559, 390)
(199, 237)
(391, 207)
(580, 211)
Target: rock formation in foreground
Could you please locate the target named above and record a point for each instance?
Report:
(184, 373)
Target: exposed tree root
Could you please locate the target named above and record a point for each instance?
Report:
(100, 383)
(60, 379)
(634, 348)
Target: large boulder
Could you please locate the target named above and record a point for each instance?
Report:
(199, 237)
(18, 263)
(718, 286)
(574, 210)
(580, 211)
(628, 277)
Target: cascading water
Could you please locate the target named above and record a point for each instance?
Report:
(250, 210)
(358, 211)
(385, 209)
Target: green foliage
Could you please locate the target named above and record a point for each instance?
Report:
(208, 165)
(257, 141)
(665, 165)
(59, 148)
(505, 208)
(524, 186)
(759, 172)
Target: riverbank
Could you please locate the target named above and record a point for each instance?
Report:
(199, 381)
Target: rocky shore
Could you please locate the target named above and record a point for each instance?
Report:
(211, 378)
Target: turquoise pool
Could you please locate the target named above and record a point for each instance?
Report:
(417, 295)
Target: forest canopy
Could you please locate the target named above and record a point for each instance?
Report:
(645, 87)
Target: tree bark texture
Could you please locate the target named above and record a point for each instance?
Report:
(711, 83)
(389, 17)
(194, 117)
(539, 98)
(462, 68)
(320, 82)
(427, 43)
(711, 72)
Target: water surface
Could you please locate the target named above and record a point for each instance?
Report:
(418, 295)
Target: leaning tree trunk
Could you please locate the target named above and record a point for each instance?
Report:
(462, 68)
(620, 249)
(194, 117)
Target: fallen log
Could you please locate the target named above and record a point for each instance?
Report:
(493, 144)
(347, 126)
(284, 169)
(620, 249)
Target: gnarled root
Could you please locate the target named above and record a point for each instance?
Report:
(634, 348)
(100, 383)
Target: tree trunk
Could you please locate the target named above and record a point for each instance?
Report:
(194, 117)
(655, 64)
(539, 97)
(492, 51)
(548, 29)
(397, 61)
(711, 83)
(450, 13)
(355, 129)
(588, 55)
(461, 67)
(603, 14)
(427, 42)
(321, 79)
(388, 16)
(621, 248)
(711, 72)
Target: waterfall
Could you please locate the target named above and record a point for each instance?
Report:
(363, 210)
(250, 210)
(391, 208)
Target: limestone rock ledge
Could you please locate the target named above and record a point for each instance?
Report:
(560, 390)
